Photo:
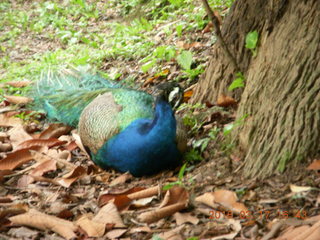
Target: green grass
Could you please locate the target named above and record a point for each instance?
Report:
(36, 34)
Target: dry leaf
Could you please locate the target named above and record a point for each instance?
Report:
(17, 158)
(208, 28)
(225, 198)
(18, 135)
(121, 179)
(92, 228)
(315, 165)
(149, 192)
(116, 233)
(173, 234)
(19, 84)
(177, 200)
(55, 130)
(187, 95)
(182, 218)
(225, 101)
(43, 221)
(79, 143)
(51, 142)
(298, 189)
(72, 176)
(235, 226)
(44, 167)
(4, 173)
(18, 99)
(121, 200)
(23, 233)
(109, 214)
(9, 121)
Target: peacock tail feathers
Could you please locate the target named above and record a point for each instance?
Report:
(65, 93)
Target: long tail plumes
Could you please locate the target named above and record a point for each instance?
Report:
(65, 93)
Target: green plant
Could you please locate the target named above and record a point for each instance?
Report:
(180, 178)
(190, 119)
(238, 82)
(251, 42)
(185, 59)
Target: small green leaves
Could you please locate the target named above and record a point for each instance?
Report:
(148, 65)
(185, 60)
(181, 172)
(251, 42)
(238, 82)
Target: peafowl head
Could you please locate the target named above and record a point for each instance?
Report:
(170, 92)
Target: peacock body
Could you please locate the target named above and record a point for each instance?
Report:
(124, 129)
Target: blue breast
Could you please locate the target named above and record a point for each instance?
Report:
(145, 147)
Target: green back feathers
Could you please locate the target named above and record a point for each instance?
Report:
(64, 94)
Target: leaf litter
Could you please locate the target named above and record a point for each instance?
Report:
(49, 186)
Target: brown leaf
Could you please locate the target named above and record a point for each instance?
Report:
(9, 121)
(187, 95)
(17, 158)
(121, 179)
(176, 200)
(92, 228)
(173, 234)
(145, 193)
(182, 218)
(19, 84)
(18, 135)
(79, 143)
(42, 221)
(116, 233)
(109, 214)
(225, 101)
(4, 173)
(55, 130)
(208, 28)
(121, 200)
(225, 198)
(315, 165)
(72, 176)
(71, 146)
(44, 167)
(51, 142)
(18, 99)
(174, 195)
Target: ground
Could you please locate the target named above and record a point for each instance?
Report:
(139, 44)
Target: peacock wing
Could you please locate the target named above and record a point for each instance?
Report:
(98, 121)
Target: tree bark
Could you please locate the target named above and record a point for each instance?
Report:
(282, 92)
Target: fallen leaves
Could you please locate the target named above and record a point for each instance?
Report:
(17, 158)
(224, 198)
(72, 176)
(18, 99)
(36, 219)
(315, 165)
(226, 101)
(176, 199)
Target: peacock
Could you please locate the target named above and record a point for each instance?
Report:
(121, 128)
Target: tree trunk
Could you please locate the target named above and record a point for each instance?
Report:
(282, 92)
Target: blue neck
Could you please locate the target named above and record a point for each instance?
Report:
(145, 146)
